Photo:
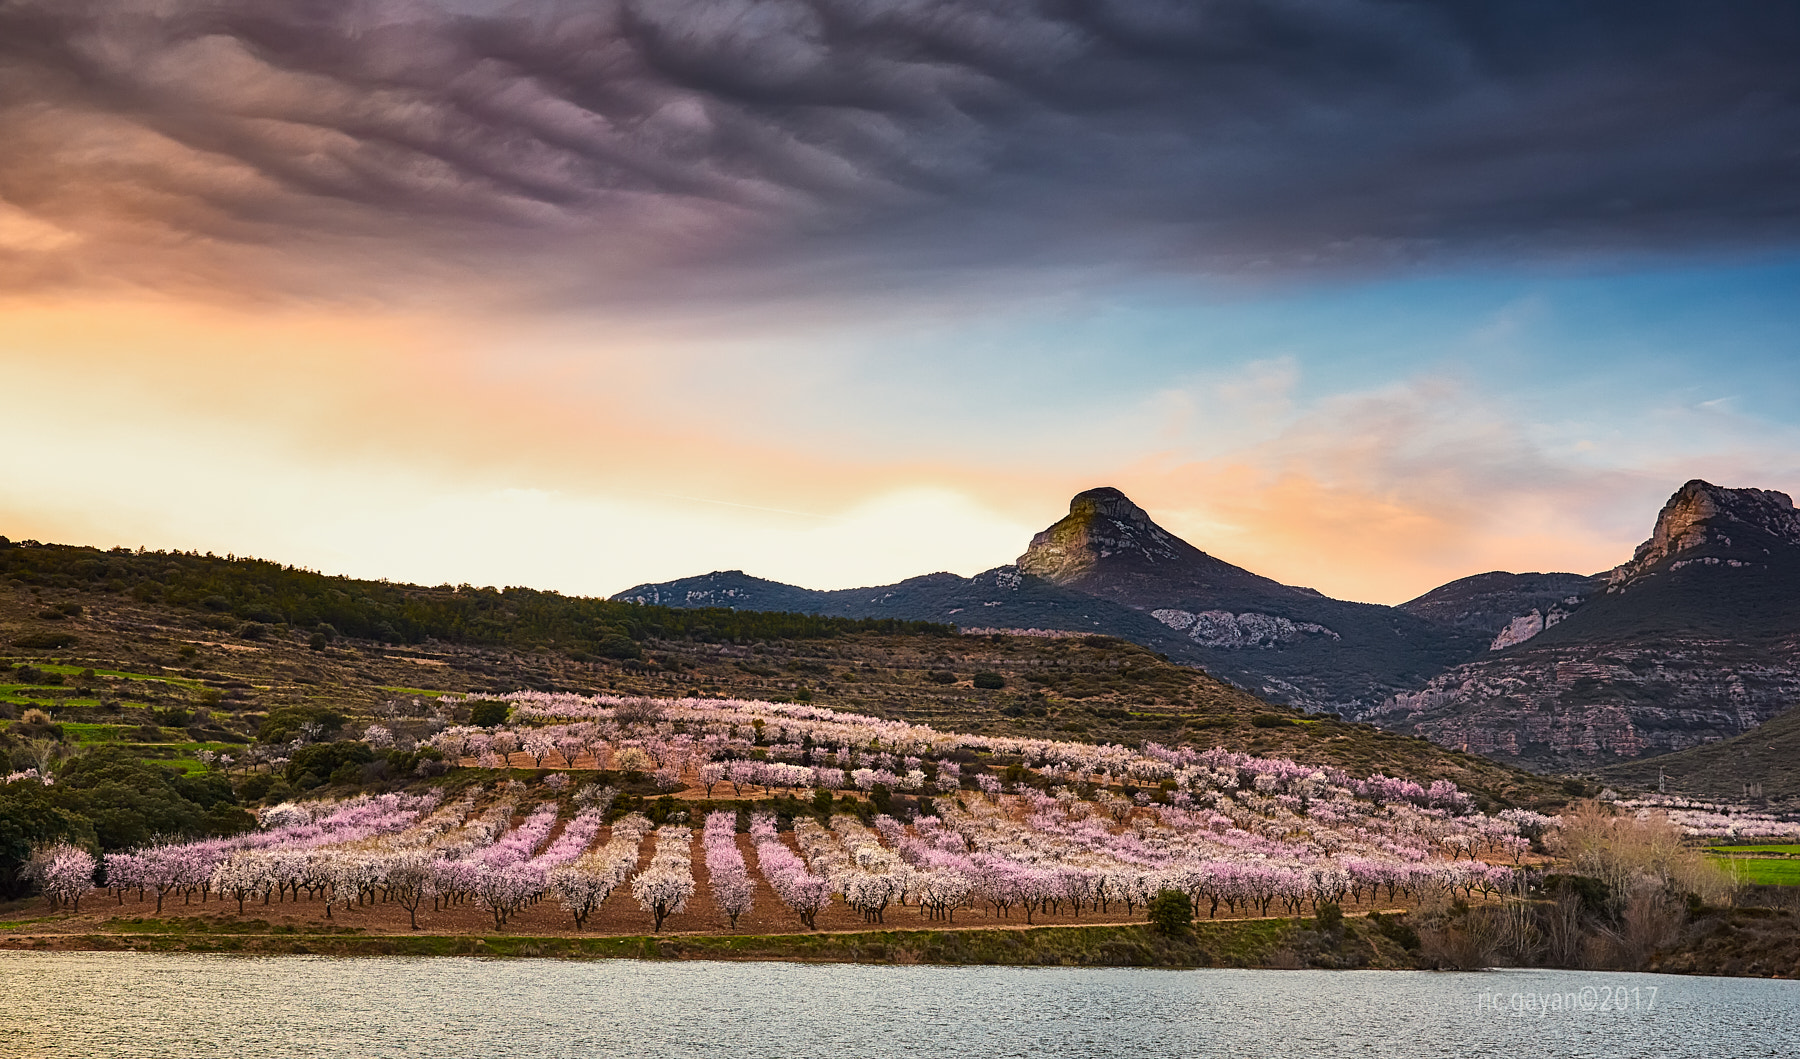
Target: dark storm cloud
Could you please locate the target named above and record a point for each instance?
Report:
(587, 149)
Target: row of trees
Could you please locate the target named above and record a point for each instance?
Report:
(722, 729)
(728, 877)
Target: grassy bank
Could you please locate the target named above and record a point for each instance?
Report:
(1283, 943)
(1749, 941)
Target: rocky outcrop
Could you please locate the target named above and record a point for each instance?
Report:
(1525, 626)
(1101, 523)
(1701, 514)
(1221, 628)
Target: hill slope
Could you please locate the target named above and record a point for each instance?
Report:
(168, 655)
(1761, 763)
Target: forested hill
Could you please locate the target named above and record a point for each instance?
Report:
(229, 592)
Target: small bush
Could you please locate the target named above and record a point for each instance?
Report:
(1270, 720)
(34, 717)
(256, 788)
(284, 724)
(46, 641)
(1329, 916)
(617, 645)
(990, 681)
(342, 761)
(488, 713)
(1395, 928)
(941, 676)
(1171, 912)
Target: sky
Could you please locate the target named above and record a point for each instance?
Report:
(1364, 296)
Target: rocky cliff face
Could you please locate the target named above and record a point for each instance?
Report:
(1691, 642)
(1705, 523)
(1579, 706)
(1102, 523)
(1107, 546)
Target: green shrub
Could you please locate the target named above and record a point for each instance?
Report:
(1329, 916)
(941, 676)
(1270, 720)
(46, 641)
(990, 681)
(488, 713)
(617, 645)
(282, 725)
(256, 788)
(328, 759)
(1395, 928)
(1171, 912)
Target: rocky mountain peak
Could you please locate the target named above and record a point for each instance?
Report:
(1108, 502)
(1702, 514)
(1101, 524)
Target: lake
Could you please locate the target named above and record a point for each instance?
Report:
(299, 1007)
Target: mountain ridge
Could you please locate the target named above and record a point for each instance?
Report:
(1690, 642)
(1107, 567)
(1680, 646)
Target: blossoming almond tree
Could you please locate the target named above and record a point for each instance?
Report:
(663, 888)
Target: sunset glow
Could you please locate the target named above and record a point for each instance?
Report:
(531, 294)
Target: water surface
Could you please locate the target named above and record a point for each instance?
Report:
(297, 1007)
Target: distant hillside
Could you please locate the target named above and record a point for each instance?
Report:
(1695, 640)
(999, 598)
(1108, 568)
(228, 592)
(1761, 763)
(1498, 603)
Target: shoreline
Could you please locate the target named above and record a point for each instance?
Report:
(1247, 944)
(1250, 943)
